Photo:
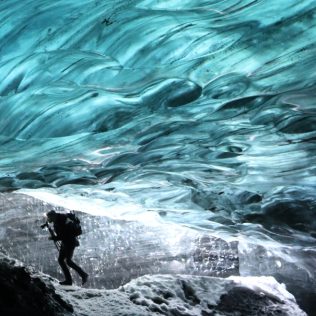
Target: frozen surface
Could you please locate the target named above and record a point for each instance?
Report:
(172, 295)
(187, 296)
(183, 130)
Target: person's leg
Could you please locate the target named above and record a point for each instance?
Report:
(61, 260)
(71, 264)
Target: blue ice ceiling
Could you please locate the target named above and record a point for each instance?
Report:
(202, 112)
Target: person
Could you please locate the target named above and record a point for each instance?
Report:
(68, 244)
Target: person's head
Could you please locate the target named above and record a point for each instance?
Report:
(51, 216)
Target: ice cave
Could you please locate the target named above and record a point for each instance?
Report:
(183, 135)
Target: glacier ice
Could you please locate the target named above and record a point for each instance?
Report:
(195, 117)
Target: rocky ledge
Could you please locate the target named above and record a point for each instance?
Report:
(27, 292)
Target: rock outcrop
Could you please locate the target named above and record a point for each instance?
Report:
(26, 292)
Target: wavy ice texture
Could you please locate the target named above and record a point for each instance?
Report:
(201, 112)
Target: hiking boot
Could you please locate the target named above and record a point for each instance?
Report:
(66, 282)
(84, 278)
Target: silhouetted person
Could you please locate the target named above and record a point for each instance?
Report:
(68, 244)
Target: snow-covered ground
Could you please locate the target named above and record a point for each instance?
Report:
(185, 295)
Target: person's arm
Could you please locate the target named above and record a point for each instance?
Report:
(59, 228)
(53, 236)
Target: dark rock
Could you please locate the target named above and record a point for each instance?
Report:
(24, 293)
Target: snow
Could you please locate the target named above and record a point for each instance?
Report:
(185, 295)
(264, 285)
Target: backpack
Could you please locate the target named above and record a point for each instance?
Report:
(74, 224)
